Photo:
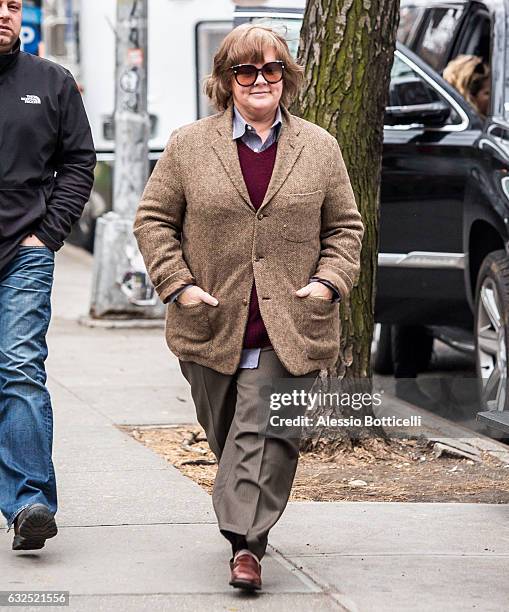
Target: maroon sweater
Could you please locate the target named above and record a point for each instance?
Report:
(257, 170)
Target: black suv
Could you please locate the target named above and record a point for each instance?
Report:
(444, 235)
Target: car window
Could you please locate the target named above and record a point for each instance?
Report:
(410, 18)
(506, 89)
(209, 35)
(473, 42)
(437, 34)
(474, 38)
(506, 80)
(407, 88)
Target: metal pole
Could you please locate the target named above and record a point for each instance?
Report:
(121, 287)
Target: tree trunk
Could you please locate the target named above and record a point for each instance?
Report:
(347, 49)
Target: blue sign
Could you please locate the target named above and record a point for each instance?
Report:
(31, 26)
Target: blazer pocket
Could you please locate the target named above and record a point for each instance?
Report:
(321, 328)
(301, 216)
(188, 328)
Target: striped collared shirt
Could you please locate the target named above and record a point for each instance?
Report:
(249, 136)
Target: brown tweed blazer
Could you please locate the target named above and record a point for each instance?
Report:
(195, 224)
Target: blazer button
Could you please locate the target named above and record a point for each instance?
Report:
(260, 216)
(244, 301)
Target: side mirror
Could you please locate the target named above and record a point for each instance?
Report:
(432, 114)
(411, 100)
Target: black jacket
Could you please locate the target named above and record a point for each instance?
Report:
(47, 155)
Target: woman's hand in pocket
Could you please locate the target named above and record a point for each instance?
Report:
(315, 289)
(195, 295)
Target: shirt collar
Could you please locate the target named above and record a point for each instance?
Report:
(240, 124)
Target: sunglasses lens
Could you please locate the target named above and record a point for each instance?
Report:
(246, 75)
(273, 72)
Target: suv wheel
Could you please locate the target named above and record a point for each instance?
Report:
(491, 314)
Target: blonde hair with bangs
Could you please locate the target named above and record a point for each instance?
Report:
(247, 43)
(468, 74)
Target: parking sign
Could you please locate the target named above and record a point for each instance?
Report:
(31, 26)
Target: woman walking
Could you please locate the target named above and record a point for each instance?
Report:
(250, 233)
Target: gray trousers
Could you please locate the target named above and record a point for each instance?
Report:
(255, 471)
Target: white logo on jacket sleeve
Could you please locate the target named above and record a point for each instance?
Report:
(31, 99)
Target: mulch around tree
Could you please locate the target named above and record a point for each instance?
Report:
(402, 470)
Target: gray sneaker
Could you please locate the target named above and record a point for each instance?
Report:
(32, 527)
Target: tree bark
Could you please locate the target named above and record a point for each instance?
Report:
(347, 49)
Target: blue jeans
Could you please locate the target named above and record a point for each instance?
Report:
(26, 418)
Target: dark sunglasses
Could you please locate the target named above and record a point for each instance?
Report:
(247, 74)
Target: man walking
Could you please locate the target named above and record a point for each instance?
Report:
(47, 160)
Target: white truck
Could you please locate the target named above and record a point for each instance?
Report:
(283, 15)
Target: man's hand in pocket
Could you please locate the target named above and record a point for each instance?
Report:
(195, 295)
(32, 240)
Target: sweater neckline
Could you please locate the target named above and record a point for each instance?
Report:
(244, 146)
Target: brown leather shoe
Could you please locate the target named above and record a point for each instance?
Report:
(246, 571)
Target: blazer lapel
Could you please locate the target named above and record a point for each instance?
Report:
(288, 151)
(226, 149)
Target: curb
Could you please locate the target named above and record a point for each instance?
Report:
(439, 429)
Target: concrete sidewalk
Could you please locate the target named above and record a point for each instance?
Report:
(137, 535)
